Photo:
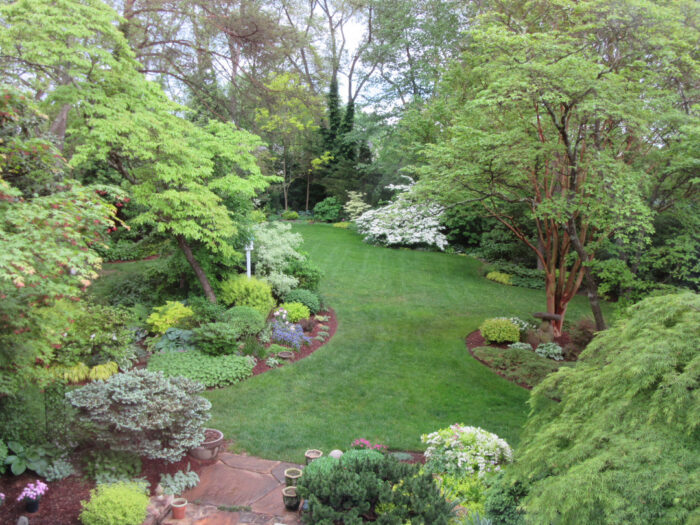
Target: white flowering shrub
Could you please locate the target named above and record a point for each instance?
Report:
(461, 450)
(275, 247)
(403, 223)
(356, 205)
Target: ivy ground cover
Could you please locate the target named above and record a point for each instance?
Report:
(397, 366)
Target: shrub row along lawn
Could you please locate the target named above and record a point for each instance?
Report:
(397, 366)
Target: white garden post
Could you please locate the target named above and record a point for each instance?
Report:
(248, 249)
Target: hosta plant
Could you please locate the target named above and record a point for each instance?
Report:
(550, 351)
(461, 450)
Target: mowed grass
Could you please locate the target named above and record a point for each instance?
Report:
(397, 366)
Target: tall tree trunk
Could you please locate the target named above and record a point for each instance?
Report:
(285, 186)
(201, 276)
(59, 125)
(308, 190)
(591, 285)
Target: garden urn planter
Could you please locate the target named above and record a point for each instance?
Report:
(290, 498)
(179, 508)
(210, 448)
(31, 505)
(291, 476)
(312, 454)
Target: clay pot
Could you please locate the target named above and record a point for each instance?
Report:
(291, 476)
(211, 447)
(291, 498)
(312, 454)
(179, 508)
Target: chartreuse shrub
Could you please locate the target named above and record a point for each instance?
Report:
(369, 486)
(170, 315)
(246, 320)
(290, 215)
(500, 277)
(500, 330)
(621, 445)
(241, 290)
(305, 297)
(296, 311)
(342, 225)
(115, 504)
(210, 371)
(144, 412)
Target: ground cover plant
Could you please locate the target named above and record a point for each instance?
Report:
(396, 308)
(519, 365)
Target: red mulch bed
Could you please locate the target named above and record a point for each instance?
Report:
(61, 504)
(475, 340)
(309, 349)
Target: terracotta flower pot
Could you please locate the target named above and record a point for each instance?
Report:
(211, 446)
(312, 454)
(290, 498)
(291, 476)
(179, 508)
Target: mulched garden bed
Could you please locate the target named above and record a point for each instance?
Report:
(61, 505)
(309, 349)
(476, 340)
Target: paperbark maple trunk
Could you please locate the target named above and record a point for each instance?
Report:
(591, 285)
(201, 276)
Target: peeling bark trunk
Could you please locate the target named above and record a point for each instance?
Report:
(201, 276)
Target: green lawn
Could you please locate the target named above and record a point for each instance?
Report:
(396, 368)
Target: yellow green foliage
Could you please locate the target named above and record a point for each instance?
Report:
(240, 290)
(76, 373)
(500, 330)
(170, 315)
(500, 277)
(344, 225)
(103, 372)
(115, 504)
(296, 311)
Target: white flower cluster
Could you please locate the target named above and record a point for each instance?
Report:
(460, 450)
(403, 223)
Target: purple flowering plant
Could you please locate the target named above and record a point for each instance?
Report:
(33, 491)
(364, 444)
(287, 333)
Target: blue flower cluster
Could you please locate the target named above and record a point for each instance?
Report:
(289, 334)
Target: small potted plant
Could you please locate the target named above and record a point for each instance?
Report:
(31, 494)
(312, 454)
(291, 498)
(291, 476)
(210, 447)
(179, 508)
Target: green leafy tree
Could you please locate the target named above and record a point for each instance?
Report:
(621, 442)
(558, 110)
(49, 227)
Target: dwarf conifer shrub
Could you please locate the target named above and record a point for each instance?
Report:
(363, 488)
(305, 297)
(115, 504)
(216, 338)
(144, 412)
(500, 330)
(244, 291)
(621, 445)
(245, 320)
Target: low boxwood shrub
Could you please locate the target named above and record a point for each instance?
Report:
(296, 311)
(500, 277)
(290, 215)
(210, 371)
(216, 338)
(500, 330)
(328, 210)
(241, 290)
(463, 450)
(144, 412)
(246, 320)
(305, 297)
(172, 314)
(115, 504)
(360, 488)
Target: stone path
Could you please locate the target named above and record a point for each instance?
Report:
(238, 489)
